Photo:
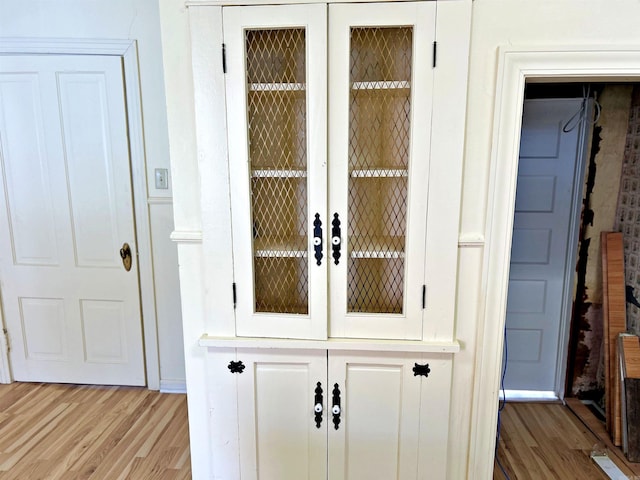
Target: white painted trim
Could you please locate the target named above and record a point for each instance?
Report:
(212, 150)
(608, 466)
(186, 236)
(474, 240)
(448, 131)
(127, 49)
(331, 344)
(516, 65)
(222, 3)
(160, 201)
(173, 386)
(5, 370)
(61, 46)
(143, 224)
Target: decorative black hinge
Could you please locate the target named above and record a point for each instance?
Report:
(423, 370)
(335, 238)
(435, 51)
(335, 408)
(224, 58)
(235, 295)
(317, 239)
(236, 367)
(317, 405)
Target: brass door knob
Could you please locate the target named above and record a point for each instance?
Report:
(125, 254)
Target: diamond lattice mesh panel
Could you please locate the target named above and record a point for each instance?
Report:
(276, 103)
(379, 138)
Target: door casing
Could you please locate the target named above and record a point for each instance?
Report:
(127, 50)
(516, 66)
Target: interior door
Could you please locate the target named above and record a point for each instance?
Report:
(71, 307)
(543, 248)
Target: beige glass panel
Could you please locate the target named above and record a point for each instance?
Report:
(276, 103)
(379, 141)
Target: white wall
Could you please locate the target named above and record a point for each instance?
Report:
(132, 20)
(167, 287)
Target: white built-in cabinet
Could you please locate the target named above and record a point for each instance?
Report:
(331, 246)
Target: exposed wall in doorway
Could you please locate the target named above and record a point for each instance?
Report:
(628, 212)
(602, 184)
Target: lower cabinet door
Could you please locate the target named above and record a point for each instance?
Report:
(393, 416)
(278, 436)
(384, 415)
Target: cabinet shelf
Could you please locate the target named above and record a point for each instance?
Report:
(380, 173)
(377, 247)
(278, 173)
(295, 247)
(332, 344)
(382, 85)
(277, 87)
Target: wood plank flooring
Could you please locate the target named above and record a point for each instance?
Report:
(546, 441)
(599, 429)
(51, 431)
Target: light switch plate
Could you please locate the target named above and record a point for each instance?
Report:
(162, 178)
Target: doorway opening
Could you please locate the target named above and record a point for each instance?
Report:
(559, 215)
(605, 179)
(516, 67)
(556, 123)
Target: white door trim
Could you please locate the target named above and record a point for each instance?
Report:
(516, 65)
(127, 49)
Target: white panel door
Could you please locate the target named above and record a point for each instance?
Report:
(543, 248)
(393, 423)
(380, 79)
(279, 437)
(276, 111)
(71, 309)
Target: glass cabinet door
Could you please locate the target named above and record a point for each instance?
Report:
(276, 94)
(380, 85)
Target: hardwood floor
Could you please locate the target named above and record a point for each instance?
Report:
(51, 431)
(542, 441)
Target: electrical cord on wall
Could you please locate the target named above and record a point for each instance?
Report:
(581, 115)
(501, 406)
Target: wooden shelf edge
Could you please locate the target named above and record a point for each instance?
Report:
(277, 87)
(186, 236)
(331, 344)
(381, 85)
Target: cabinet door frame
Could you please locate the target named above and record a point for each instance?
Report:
(236, 20)
(422, 413)
(422, 16)
(419, 404)
(257, 363)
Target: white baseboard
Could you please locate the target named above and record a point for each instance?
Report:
(529, 396)
(173, 386)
